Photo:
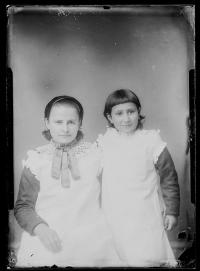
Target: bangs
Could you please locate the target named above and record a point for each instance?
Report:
(119, 100)
(121, 96)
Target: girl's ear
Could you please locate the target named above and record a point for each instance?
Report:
(46, 123)
(109, 118)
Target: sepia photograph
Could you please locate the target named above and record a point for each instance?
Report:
(102, 120)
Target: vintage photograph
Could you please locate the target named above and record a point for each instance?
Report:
(103, 110)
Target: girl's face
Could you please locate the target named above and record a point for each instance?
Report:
(124, 117)
(63, 123)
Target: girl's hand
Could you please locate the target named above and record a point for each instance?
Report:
(170, 222)
(48, 237)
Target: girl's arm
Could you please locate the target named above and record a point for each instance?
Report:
(24, 210)
(169, 183)
(26, 215)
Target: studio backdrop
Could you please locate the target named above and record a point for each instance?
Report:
(87, 52)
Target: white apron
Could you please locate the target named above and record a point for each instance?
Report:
(74, 213)
(131, 198)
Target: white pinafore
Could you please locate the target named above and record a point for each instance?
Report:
(74, 213)
(131, 197)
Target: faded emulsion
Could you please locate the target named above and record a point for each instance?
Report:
(88, 52)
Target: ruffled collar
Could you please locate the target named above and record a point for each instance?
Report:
(65, 146)
(113, 132)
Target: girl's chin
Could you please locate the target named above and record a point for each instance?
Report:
(127, 131)
(64, 141)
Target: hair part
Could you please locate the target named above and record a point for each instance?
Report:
(122, 96)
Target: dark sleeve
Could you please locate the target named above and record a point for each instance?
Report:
(24, 209)
(169, 183)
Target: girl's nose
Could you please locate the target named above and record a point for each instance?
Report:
(65, 127)
(126, 117)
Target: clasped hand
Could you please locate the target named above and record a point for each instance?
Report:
(48, 237)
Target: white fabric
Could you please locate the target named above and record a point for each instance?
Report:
(73, 213)
(131, 198)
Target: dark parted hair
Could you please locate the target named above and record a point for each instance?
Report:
(61, 100)
(122, 96)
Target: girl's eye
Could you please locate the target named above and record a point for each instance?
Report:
(131, 112)
(59, 121)
(119, 113)
(71, 122)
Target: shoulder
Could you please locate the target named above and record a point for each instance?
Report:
(108, 136)
(47, 148)
(83, 148)
(35, 158)
(154, 142)
(151, 138)
(150, 134)
(38, 151)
